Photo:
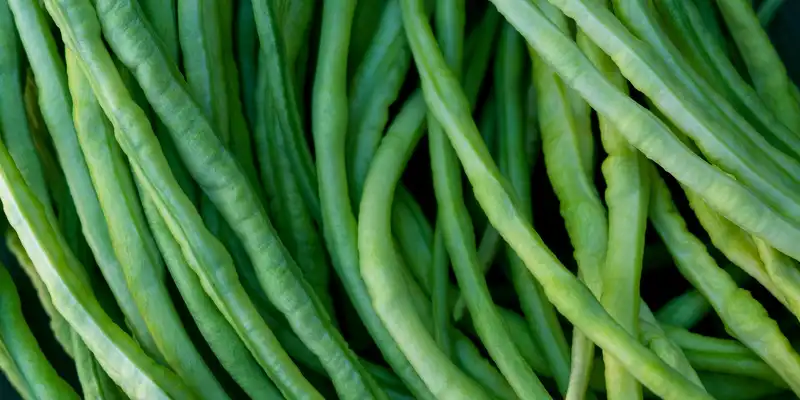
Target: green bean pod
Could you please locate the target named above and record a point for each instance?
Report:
(136, 374)
(365, 24)
(374, 87)
(95, 383)
(703, 34)
(777, 169)
(653, 336)
(563, 146)
(440, 282)
(767, 10)
(763, 63)
(382, 273)
(285, 103)
(247, 58)
(40, 379)
(215, 329)
(13, 122)
(55, 104)
(450, 106)
(457, 226)
(340, 229)
(216, 171)
(241, 143)
(222, 338)
(627, 196)
(232, 302)
(13, 374)
(131, 238)
(744, 317)
(727, 196)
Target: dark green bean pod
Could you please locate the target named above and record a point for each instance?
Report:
(280, 84)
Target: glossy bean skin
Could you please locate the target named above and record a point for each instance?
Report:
(627, 196)
(734, 306)
(280, 81)
(763, 63)
(225, 185)
(380, 267)
(14, 126)
(537, 310)
(55, 104)
(124, 361)
(657, 143)
(579, 306)
(132, 240)
(563, 145)
(100, 146)
(37, 378)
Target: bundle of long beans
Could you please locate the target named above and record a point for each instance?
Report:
(266, 198)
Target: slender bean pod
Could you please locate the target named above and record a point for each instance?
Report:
(569, 296)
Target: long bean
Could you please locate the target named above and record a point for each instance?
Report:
(744, 317)
(763, 63)
(202, 250)
(725, 195)
(654, 336)
(538, 311)
(686, 310)
(39, 377)
(61, 330)
(458, 228)
(54, 102)
(226, 186)
(704, 33)
(95, 383)
(769, 155)
(440, 282)
(13, 122)
(568, 295)
(294, 218)
(13, 374)
(380, 265)
(584, 215)
(287, 112)
(139, 376)
(162, 15)
(384, 65)
(720, 133)
(627, 195)
(100, 146)
(767, 11)
(339, 223)
(132, 240)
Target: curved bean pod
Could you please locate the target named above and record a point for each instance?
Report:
(132, 240)
(383, 275)
(569, 296)
(743, 316)
(55, 104)
(39, 377)
(220, 177)
(139, 376)
(766, 69)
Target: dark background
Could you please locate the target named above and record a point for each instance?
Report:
(785, 34)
